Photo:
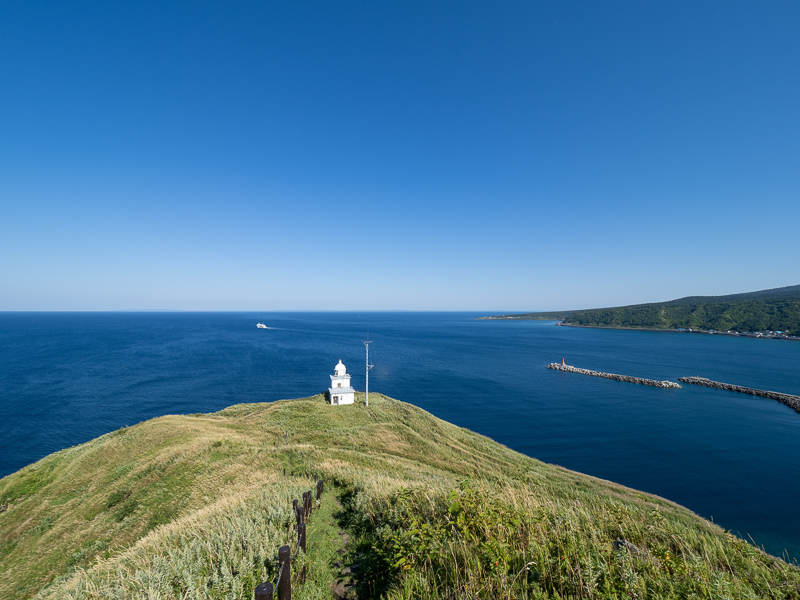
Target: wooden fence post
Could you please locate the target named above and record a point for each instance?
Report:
(298, 511)
(285, 582)
(301, 536)
(301, 541)
(264, 591)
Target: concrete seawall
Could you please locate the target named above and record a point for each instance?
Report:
(615, 377)
(787, 399)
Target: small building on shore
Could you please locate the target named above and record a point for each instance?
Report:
(340, 391)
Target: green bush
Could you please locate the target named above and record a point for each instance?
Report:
(126, 509)
(117, 497)
(475, 543)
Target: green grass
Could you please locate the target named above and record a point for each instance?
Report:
(197, 506)
(324, 543)
(489, 541)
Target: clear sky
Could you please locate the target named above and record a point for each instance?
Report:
(496, 156)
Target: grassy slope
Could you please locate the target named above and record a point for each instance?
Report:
(144, 506)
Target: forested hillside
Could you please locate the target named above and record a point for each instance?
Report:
(766, 310)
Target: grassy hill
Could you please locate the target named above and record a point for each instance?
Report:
(196, 506)
(767, 310)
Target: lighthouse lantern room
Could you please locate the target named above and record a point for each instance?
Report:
(340, 391)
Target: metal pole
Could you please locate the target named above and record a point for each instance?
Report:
(369, 366)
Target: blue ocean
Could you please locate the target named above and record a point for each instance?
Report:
(66, 378)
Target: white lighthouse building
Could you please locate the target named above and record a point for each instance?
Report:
(340, 391)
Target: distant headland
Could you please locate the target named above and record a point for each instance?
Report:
(771, 313)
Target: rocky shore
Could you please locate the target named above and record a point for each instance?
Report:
(789, 400)
(614, 376)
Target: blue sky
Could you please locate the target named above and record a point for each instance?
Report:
(410, 156)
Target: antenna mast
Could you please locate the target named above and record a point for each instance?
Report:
(367, 342)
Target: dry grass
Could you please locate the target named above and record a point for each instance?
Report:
(194, 506)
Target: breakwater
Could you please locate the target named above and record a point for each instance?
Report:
(789, 400)
(614, 376)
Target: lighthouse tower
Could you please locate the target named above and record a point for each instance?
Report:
(340, 391)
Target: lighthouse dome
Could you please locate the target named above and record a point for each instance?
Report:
(340, 368)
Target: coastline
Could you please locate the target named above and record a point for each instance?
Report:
(760, 336)
(768, 336)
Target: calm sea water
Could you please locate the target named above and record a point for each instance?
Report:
(66, 378)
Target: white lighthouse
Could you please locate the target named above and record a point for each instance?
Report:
(340, 391)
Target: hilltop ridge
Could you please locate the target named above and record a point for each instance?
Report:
(197, 505)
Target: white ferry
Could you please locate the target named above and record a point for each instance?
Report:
(261, 326)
